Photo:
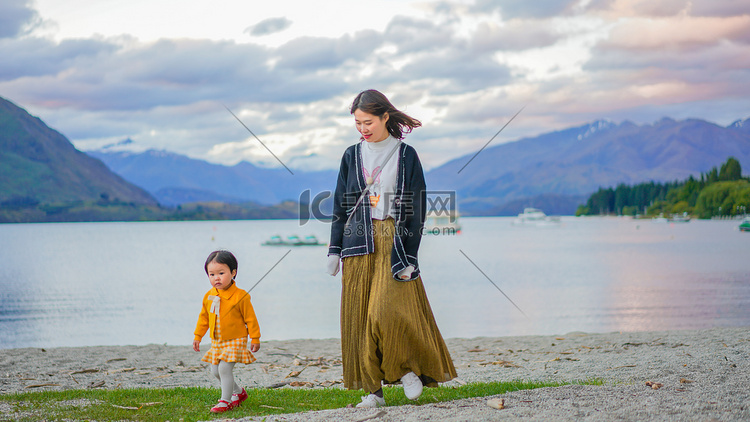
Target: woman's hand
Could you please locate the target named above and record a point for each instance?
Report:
(333, 264)
(197, 345)
(405, 274)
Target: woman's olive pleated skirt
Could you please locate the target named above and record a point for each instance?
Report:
(387, 326)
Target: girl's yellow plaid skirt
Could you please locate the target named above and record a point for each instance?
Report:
(234, 350)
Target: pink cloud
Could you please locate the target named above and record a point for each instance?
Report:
(663, 8)
(682, 32)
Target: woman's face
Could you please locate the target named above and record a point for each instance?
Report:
(370, 126)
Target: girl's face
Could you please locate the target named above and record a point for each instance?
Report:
(370, 126)
(219, 275)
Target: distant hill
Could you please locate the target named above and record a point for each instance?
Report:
(44, 178)
(555, 170)
(176, 179)
(40, 167)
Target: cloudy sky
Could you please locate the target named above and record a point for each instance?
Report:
(162, 72)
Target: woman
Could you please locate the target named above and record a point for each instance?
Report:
(388, 331)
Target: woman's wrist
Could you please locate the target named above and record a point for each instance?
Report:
(406, 272)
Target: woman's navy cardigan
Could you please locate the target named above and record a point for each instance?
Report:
(409, 210)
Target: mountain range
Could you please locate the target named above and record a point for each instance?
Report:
(577, 161)
(555, 171)
(43, 176)
(176, 179)
(40, 165)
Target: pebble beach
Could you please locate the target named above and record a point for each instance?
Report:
(694, 375)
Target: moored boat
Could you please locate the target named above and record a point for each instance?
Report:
(535, 217)
(677, 218)
(293, 240)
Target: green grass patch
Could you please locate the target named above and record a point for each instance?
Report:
(192, 404)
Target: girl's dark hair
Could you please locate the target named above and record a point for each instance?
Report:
(375, 103)
(221, 257)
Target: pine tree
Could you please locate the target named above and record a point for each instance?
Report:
(731, 170)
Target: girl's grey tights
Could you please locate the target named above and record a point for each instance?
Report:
(223, 372)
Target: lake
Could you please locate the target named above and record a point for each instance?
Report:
(85, 284)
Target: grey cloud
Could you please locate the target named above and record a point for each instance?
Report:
(283, 115)
(37, 56)
(445, 8)
(95, 90)
(516, 35)
(170, 73)
(193, 63)
(99, 75)
(309, 53)
(448, 72)
(697, 66)
(599, 5)
(305, 88)
(269, 26)
(465, 71)
(489, 110)
(662, 8)
(166, 73)
(645, 8)
(16, 16)
(712, 74)
(524, 8)
(412, 35)
(434, 52)
(720, 8)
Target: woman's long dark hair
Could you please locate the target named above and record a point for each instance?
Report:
(375, 103)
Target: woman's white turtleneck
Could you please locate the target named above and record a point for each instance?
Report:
(384, 186)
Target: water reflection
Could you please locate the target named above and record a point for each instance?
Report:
(139, 283)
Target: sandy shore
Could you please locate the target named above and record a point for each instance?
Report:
(705, 375)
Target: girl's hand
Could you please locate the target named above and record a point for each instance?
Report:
(254, 347)
(197, 345)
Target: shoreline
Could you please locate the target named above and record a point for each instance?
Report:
(705, 374)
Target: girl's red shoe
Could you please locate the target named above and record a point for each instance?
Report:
(237, 399)
(219, 409)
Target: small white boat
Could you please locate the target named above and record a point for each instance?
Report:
(293, 240)
(660, 219)
(535, 217)
(675, 218)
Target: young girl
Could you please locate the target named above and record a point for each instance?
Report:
(229, 317)
(388, 331)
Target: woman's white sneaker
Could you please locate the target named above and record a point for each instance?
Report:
(371, 401)
(412, 386)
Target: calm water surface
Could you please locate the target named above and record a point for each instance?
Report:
(82, 284)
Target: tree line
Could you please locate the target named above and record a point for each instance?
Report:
(719, 192)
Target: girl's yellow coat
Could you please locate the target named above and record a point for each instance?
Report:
(236, 312)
